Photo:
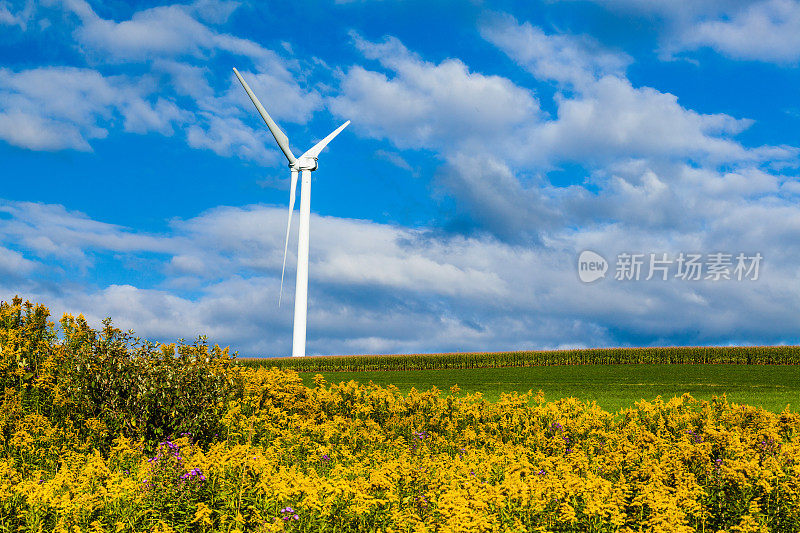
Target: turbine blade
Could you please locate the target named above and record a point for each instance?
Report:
(317, 148)
(280, 137)
(292, 189)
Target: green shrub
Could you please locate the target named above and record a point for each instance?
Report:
(108, 383)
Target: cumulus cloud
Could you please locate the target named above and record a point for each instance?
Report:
(577, 60)
(606, 118)
(19, 17)
(56, 108)
(764, 31)
(612, 119)
(493, 199)
(386, 288)
(214, 11)
(178, 45)
(52, 108)
(172, 38)
(345, 252)
(231, 247)
(225, 120)
(634, 141)
(430, 106)
(667, 8)
(47, 230)
(228, 136)
(602, 119)
(164, 31)
(13, 265)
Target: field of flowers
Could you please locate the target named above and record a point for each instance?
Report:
(102, 432)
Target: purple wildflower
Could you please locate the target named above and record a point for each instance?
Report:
(194, 473)
(421, 435)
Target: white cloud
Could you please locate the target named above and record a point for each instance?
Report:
(52, 108)
(766, 31)
(151, 33)
(652, 160)
(604, 118)
(52, 231)
(611, 119)
(172, 37)
(20, 17)
(39, 133)
(356, 253)
(214, 11)
(294, 104)
(762, 30)
(14, 265)
(228, 136)
(395, 159)
(488, 192)
(676, 199)
(349, 252)
(578, 60)
(164, 31)
(430, 106)
(226, 122)
(383, 288)
(155, 313)
(670, 9)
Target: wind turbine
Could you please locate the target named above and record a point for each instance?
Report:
(305, 164)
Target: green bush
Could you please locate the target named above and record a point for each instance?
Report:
(108, 383)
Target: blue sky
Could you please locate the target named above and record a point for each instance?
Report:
(490, 144)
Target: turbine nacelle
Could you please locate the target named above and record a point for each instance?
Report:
(304, 162)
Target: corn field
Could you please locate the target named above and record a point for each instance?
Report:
(747, 355)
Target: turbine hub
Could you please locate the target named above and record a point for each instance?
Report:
(305, 163)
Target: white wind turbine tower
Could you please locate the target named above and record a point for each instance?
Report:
(305, 164)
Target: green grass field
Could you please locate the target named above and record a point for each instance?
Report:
(613, 387)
